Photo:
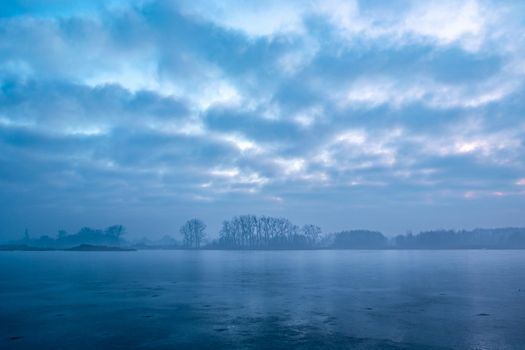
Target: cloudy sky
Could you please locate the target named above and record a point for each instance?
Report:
(388, 115)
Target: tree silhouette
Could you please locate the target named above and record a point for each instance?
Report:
(115, 231)
(193, 233)
(61, 234)
(252, 232)
(312, 234)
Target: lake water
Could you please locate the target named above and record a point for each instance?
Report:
(263, 300)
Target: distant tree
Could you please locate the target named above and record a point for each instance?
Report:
(501, 238)
(115, 231)
(252, 232)
(192, 233)
(359, 239)
(312, 233)
(88, 235)
(26, 235)
(89, 232)
(61, 234)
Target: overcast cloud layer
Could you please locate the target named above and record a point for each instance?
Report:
(347, 114)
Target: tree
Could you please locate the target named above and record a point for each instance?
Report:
(252, 232)
(359, 239)
(115, 231)
(62, 234)
(312, 234)
(192, 233)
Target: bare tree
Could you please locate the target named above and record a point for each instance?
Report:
(312, 234)
(193, 232)
(252, 232)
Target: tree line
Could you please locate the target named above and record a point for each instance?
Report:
(110, 236)
(267, 232)
(497, 238)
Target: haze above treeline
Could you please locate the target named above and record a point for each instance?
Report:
(265, 232)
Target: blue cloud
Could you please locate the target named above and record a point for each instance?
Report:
(346, 113)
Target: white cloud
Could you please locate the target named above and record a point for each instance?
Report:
(7, 122)
(469, 194)
(216, 93)
(188, 127)
(472, 137)
(234, 180)
(369, 92)
(87, 130)
(242, 143)
(355, 149)
(291, 166)
(254, 19)
(291, 62)
(344, 15)
(447, 22)
(356, 137)
(307, 118)
(133, 76)
(225, 172)
(443, 23)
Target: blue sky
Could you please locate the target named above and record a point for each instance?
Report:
(388, 115)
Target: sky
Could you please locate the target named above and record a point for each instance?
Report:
(385, 115)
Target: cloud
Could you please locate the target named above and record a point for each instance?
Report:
(285, 107)
(253, 19)
(462, 23)
(471, 137)
(372, 92)
(447, 22)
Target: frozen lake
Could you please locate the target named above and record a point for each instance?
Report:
(263, 299)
